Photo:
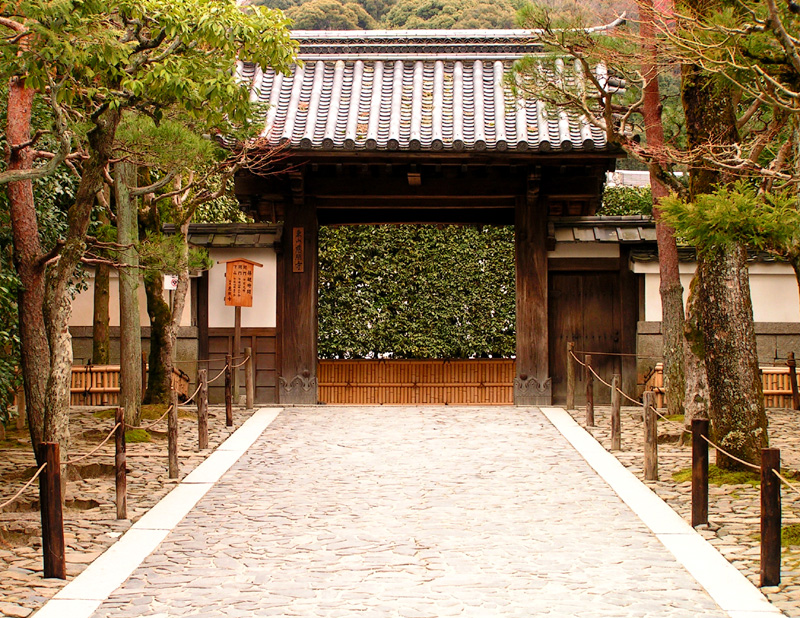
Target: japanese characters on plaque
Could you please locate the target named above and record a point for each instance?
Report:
(239, 283)
(298, 256)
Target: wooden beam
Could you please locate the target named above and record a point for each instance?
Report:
(297, 265)
(586, 264)
(532, 385)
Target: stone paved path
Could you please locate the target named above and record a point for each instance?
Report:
(411, 512)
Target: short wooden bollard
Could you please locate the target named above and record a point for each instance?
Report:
(249, 384)
(699, 471)
(792, 363)
(202, 410)
(172, 435)
(144, 374)
(570, 375)
(770, 517)
(650, 438)
(21, 412)
(120, 464)
(52, 516)
(228, 393)
(615, 413)
(589, 391)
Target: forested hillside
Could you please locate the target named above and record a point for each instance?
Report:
(429, 14)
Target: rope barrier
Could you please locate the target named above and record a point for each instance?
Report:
(579, 361)
(734, 457)
(153, 424)
(247, 358)
(786, 482)
(96, 448)
(619, 354)
(194, 394)
(24, 487)
(621, 392)
(216, 377)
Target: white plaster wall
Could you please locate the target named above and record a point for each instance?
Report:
(773, 288)
(262, 313)
(83, 304)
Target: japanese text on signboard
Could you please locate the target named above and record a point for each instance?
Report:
(239, 283)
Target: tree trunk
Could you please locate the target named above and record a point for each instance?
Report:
(34, 349)
(130, 328)
(697, 398)
(101, 342)
(158, 309)
(736, 408)
(670, 288)
(101, 339)
(737, 414)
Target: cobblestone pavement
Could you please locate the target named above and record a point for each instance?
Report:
(410, 512)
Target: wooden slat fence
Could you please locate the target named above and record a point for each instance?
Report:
(774, 381)
(98, 385)
(416, 382)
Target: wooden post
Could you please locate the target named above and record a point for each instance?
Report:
(21, 411)
(615, 413)
(589, 391)
(699, 471)
(172, 435)
(249, 383)
(237, 351)
(770, 517)
(52, 515)
(228, 402)
(793, 381)
(202, 410)
(144, 374)
(570, 375)
(650, 438)
(119, 464)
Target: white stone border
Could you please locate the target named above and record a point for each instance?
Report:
(731, 590)
(84, 594)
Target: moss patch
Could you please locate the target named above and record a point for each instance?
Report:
(137, 435)
(721, 477)
(153, 411)
(675, 418)
(105, 415)
(790, 536)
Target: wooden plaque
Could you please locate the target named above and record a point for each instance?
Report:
(239, 282)
(298, 252)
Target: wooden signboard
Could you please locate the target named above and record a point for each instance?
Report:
(298, 254)
(239, 282)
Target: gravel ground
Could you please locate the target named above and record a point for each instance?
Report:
(89, 519)
(734, 510)
(90, 524)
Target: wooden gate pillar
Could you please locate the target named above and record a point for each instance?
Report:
(532, 384)
(297, 302)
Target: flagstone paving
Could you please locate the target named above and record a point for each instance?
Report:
(412, 513)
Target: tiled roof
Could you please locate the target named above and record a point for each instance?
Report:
(627, 229)
(412, 90)
(229, 235)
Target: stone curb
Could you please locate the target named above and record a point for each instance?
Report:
(83, 595)
(731, 590)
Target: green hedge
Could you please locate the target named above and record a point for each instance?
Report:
(416, 291)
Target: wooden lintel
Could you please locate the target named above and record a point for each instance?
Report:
(583, 264)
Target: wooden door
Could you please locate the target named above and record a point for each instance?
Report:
(584, 308)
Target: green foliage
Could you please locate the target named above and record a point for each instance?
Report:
(416, 291)
(330, 15)
(450, 14)
(152, 54)
(734, 214)
(619, 201)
